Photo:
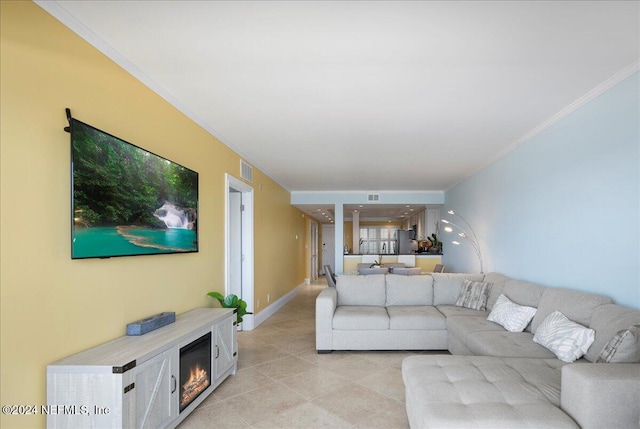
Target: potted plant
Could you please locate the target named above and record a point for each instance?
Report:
(231, 301)
(436, 245)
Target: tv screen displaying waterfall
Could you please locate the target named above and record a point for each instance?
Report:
(128, 201)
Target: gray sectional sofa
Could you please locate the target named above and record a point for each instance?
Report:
(493, 378)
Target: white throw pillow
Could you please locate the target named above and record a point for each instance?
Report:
(511, 316)
(566, 339)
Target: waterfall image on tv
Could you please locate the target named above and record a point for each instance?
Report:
(127, 201)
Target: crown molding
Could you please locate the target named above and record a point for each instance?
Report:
(55, 9)
(588, 97)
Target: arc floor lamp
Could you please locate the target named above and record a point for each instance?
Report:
(469, 236)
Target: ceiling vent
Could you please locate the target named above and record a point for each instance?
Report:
(373, 197)
(246, 171)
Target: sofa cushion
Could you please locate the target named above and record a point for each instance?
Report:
(523, 293)
(461, 327)
(448, 392)
(446, 286)
(511, 316)
(361, 290)
(360, 317)
(453, 310)
(415, 317)
(498, 281)
(624, 347)
(576, 306)
(567, 339)
(409, 290)
(506, 344)
(607, 320)
(474, 295)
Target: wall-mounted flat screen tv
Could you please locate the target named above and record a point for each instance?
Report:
(128, 201)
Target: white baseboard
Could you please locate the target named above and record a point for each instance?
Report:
(273, 307)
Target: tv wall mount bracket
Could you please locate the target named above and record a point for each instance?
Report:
(68, 112)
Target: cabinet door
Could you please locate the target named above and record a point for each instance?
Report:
(154, 385)
(225, 349)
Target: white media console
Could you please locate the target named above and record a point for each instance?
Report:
(142, 381)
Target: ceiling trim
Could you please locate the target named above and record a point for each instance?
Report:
(61, 14)
(54, 8)
(586, 98)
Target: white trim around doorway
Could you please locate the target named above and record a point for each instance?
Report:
(232, 182)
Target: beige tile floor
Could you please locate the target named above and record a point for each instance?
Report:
(283, 383)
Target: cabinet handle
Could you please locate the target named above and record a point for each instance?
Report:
(217, 351)
(175, 385)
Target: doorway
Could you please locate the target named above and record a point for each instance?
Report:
(239, 244)
(328, 247)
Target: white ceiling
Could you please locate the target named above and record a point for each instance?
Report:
(338, 95)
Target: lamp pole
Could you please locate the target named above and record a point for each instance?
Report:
(471, 238)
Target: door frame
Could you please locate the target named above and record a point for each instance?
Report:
(314, 270)
(232, 182)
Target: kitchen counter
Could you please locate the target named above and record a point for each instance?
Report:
(423, 260)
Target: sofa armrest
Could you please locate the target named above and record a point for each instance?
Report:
(326, 303)
(602, 395)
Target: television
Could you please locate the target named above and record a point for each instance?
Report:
(126, 200)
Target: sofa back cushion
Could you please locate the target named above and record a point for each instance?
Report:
(607, 320)
(576, 306)
(447, 286)
(523, 293)
(361, 290)
(409, 290)
(498, 281)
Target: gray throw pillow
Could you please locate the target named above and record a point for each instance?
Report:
(624, 347)
(474, 295)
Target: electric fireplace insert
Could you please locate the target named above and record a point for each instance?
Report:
(195, 369)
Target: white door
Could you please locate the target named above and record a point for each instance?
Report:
(314, 252)
(239, 244)
(328, 247)
(234, 272)
(224, 356)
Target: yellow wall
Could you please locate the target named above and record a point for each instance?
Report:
(51, 306)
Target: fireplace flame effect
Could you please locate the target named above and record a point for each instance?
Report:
(197, 382)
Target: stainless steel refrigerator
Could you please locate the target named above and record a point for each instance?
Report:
(406, 244)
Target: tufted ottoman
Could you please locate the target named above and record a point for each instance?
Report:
(456, 392)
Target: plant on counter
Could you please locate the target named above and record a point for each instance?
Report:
(231, 301)
(436, 245)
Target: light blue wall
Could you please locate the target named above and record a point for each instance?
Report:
(563, 209)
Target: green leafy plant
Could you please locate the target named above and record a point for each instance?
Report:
(436, 244)
(231, 301)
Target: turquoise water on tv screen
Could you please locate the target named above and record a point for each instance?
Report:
(103, 242)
